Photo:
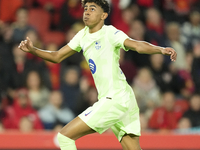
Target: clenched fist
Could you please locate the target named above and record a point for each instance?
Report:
(26, 45)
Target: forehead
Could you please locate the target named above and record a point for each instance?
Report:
(92, 4)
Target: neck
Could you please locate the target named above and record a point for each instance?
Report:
(96, 28)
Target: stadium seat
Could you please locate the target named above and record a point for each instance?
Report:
(53, 37)
(40, 20)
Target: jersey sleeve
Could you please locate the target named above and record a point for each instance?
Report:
(118, 37)
(75, 42)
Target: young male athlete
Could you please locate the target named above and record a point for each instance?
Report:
(117, 108)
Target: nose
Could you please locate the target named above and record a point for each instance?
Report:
(87, 12)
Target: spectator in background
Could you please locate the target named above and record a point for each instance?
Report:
(88, 96)
(160, 71)
(174, 39)
(2, 76)
(5, 54)
(53, 69)
(53, 7)
(137, 32)
(116, 10)
(188, 87)
(164, 77)
(184, 124)
(191, 29)
(83, 102)
(144, 122)
(193, 114)
(1, 127)
(146, 91)
(92, 95)
(127, 15)
(37, 92)
(177, 10)
(70, 87)
(71, 12)
(6, 43)
(33, 35)
(128, 67)
(21, 108)
(54, 113)
(21, 26)
(25, 125)
(196, 67)
(155, 26)
(166, 116)
(18, 68)
(76, 58)
(144, 4)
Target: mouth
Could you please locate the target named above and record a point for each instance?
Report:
(85, 18)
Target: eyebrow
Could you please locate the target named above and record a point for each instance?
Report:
(90, 6)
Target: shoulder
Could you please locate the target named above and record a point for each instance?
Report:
(115, 35)
(111, 29)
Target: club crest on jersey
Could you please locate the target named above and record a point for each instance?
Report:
(97, 45)
(92, 66)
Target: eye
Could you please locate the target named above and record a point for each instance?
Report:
(92, 9)
(85, 9)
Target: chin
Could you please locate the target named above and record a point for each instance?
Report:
(86, 24)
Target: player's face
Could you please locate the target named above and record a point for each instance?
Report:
(93, 14)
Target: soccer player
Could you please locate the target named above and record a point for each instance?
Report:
(117, 107)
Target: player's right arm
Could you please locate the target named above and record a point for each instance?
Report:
(52, 56)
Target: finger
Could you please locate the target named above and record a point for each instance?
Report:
(28, 40)
(24, 43)
(170, 53)
(20, 45)
(174, 55)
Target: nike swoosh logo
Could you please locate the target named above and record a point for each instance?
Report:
(88, 113)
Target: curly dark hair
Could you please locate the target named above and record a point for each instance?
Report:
(102, 3)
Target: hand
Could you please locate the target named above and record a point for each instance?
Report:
(169, 52)
(26, 45)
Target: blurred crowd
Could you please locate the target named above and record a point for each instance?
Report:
(36, 94)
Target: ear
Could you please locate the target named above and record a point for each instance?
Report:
(104, 16)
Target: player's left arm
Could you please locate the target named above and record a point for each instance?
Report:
(143, 47)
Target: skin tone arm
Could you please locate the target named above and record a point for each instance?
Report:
(52, 56)
(143, 47)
